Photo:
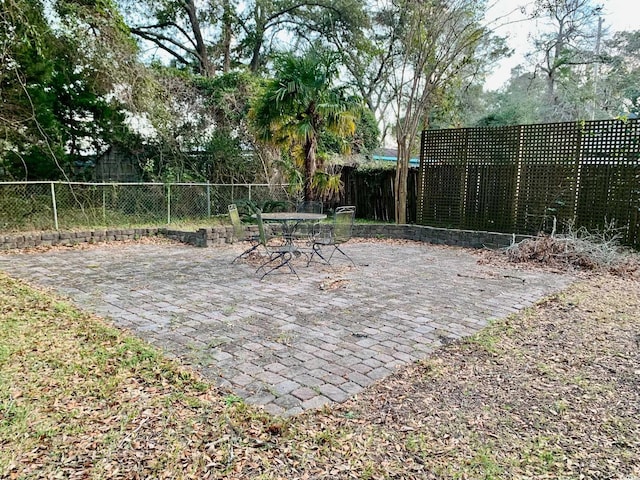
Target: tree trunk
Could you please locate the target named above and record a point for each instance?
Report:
(259, 29)
(205, 66)
(402, 173)
(310, 147)
(256, 59)
(226, 36)
(553, 64)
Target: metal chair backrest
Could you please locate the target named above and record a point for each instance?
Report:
(343, 223)
(238, 229)
(261, 231)
(309, 207)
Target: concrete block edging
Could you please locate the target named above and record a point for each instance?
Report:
(219, 235)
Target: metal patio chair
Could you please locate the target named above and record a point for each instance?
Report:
(304, 234)
(310, 206)
(333, 235)
(241, 233)
(279, 255)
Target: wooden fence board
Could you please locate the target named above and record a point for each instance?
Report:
(372, 192)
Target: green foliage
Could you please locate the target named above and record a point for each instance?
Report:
(229, 96)
(621, 75)
(301, 103)
(224, 159)
(328, 184)
(55, 103)
(26, 49)
(201, 126)
(601, 87)
(247, 208)
(364, 139)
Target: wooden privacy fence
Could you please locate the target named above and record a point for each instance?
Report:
(372, 192)
(518, 179)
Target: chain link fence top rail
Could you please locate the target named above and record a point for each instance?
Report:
(34, 206)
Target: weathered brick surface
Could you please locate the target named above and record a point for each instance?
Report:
(286, 343)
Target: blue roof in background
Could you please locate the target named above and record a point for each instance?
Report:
(412, 161)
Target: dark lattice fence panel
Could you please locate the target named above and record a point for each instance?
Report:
(547, 159)
(490, 182)
(533, 178)
(489, 199)
(609, 180)
(443, 198)
(442, 177)
(544, 197)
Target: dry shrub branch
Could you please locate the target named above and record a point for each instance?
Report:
(578, 249)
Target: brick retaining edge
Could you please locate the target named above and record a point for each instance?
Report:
(210, 237)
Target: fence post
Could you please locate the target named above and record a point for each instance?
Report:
(420, 184)
(55, 207)
(464, 174)
(208, 199)
(168, 204)
(577, 170)
(518, 179)
(104, 203)
(249, 192)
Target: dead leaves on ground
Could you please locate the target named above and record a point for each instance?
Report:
(553, 392)
(333, 284)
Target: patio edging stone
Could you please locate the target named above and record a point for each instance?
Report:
(219, 235)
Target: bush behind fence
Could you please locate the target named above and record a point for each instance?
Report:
(26, 206)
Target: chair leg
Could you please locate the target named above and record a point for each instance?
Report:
(285, 259)
(316, 250)
(342, 252)
(327, 260)
(246, 252)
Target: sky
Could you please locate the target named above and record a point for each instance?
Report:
(617, 14)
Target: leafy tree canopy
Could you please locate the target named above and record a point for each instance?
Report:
(301, 103)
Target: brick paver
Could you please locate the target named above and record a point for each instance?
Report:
(284, 343)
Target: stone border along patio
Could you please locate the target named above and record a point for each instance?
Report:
(283, 343)
(208, 237)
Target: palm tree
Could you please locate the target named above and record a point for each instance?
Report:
(299, 103)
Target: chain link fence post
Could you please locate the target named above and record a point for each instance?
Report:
(208, 200)
(54, 205)
(104, 203)
(168, 204)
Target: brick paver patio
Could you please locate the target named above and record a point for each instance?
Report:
(284, 343)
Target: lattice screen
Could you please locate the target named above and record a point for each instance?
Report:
(525, 179)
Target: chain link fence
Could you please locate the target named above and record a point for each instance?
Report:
(26, 206)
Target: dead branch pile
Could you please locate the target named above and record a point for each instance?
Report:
(580, 249)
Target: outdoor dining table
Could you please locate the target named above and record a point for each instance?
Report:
(291, 220)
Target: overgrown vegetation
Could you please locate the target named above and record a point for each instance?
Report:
(551, 393)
